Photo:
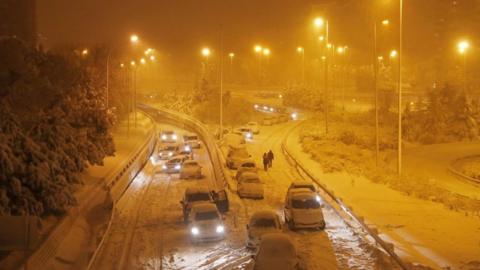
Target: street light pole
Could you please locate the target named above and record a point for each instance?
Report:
(375, 78)
(326, 77)
(400, 55)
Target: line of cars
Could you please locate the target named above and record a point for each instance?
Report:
(178, 156)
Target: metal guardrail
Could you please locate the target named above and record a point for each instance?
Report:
(389, 248)
(48, 249)
(454, 171)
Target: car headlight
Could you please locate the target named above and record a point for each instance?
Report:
(271, 109)
(317, 198)
(265, 107)
(248, 135)
(187, 148)
(294, 116)
(177, 167)
(164, 137)
(174, 136)
(164, 167)
(255, 106)
(160, 154)
(195, 231)
(170, 154)
(220, 229)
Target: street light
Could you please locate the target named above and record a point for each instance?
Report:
(463, 47)
(385, 22)
(321, 38)
(143, 61)
(393, 53)
(319, 22)
(134, 39)
(152, 58)
(148, 51)
(84, 52)
(301, 51)
(266, 52)
(257, 48)
(231, 56)
(206, 52)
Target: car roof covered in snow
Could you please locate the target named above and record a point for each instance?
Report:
(270, 214)
(301, 183)
(302, 193)
(204, 207)
(190, 162)
(200, 189)
(276, 240)
(249, 175)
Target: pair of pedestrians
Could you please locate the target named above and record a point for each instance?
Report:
(267, 160)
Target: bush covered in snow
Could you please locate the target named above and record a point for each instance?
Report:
(448, 117)
(309, 98)
(53, 123)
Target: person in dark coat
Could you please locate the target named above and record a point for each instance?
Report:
(270, 158)
(265, 161)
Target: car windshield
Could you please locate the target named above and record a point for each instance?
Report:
(170, 148)
(173, 161)
(248, 165)
(264, 222)
(245, 130)
(206, 215)
(198, 197)
(251, 180)
(305, 203)
(312, 188)
(191, 138)
(168, 132)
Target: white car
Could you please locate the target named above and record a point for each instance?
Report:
(253, 126)
(185, 151)
(262, 222)
(206, 223)
(190, 169)
(248, 166)
(167, 151)
(307, 185)
(233, 139)
(303, 209)
(192, 140)
(250, 186)
(168, 136)
(174, 164)
(237, 156)
(276, 251)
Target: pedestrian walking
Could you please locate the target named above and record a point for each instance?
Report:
(265, 161)
(270, 158)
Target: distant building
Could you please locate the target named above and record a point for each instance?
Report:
(18, 19)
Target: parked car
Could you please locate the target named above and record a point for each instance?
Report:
(192, 196)
(250, 186)
(206, 223)
(253, 126)
(167, 151)
(190, 169)
(303, 210)
(268, 121)
(192, 140)
(261, 223)
(174, 164)
(276, 251)
(237, 156)
(248, 166)
(234, 139)
(185, 151)
(168, 136)
(305, 184)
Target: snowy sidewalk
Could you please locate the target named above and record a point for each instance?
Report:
(418, 228)
(126, 143)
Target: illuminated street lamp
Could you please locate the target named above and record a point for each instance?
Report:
(463, 47)
(301, 51)
(231, 56)
(152, 58)
(143, 61)
(148, 51)
(206, 52)
(266, 52)
(318, 23)
(122, 65)
(132, 63)
(393, 54)
(84, 52)
(321, 38)
(385, 22)
(258, 48)
(134, 39)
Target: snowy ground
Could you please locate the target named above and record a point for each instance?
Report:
(423, 231)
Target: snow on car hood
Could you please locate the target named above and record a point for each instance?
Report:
(251, 188)
(257, 232)
(307, 216)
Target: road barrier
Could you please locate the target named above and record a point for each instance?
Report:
(454, 168)
(387, 247)
(116, 182)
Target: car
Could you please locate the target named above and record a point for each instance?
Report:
(168, 136)
(268, 121)
(174, 164)
(261, 223)
(192, 140)
(234, 139)
(205, 223)
(190, 169)
(248, 166)
(303, 209)
(237, 156)
(305, 184)
(167, 151)
(253, 126)
(185, 151)
(192, 196)
(246, 132)
(250, 186)
(276, 251)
